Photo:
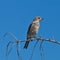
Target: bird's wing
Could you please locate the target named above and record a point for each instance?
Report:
(28, 33)
(29, 29)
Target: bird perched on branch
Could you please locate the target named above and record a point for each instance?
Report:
(33, 29)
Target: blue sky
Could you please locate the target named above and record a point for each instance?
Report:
(15, 17)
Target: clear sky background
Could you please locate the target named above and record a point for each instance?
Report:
(15, 17)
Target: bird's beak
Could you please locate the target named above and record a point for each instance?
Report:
(42, 18)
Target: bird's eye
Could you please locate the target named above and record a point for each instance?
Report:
(38, 17)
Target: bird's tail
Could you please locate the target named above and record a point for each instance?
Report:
(26, 44)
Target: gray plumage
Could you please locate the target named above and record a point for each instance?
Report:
(33, 30)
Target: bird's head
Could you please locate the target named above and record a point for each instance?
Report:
(38, 18)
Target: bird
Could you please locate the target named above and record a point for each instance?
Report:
(33, 29)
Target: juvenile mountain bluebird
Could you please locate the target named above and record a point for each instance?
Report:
(33, 30)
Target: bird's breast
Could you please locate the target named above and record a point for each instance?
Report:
(36, 27)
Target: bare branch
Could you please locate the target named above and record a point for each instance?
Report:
(42, 51)
(33, 50)
(34, 39)
(12, 35)
(44, 39)
(8, 51)
(17, 47)
(11, 43)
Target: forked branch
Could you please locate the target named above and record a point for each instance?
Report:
(34, 39)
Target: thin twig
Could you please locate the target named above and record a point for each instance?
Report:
(12, 35)
(8, 51)
(49, 40)
(10, 43)
(17, 47)
(33, 50)
(19, 41)
(42, 51)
